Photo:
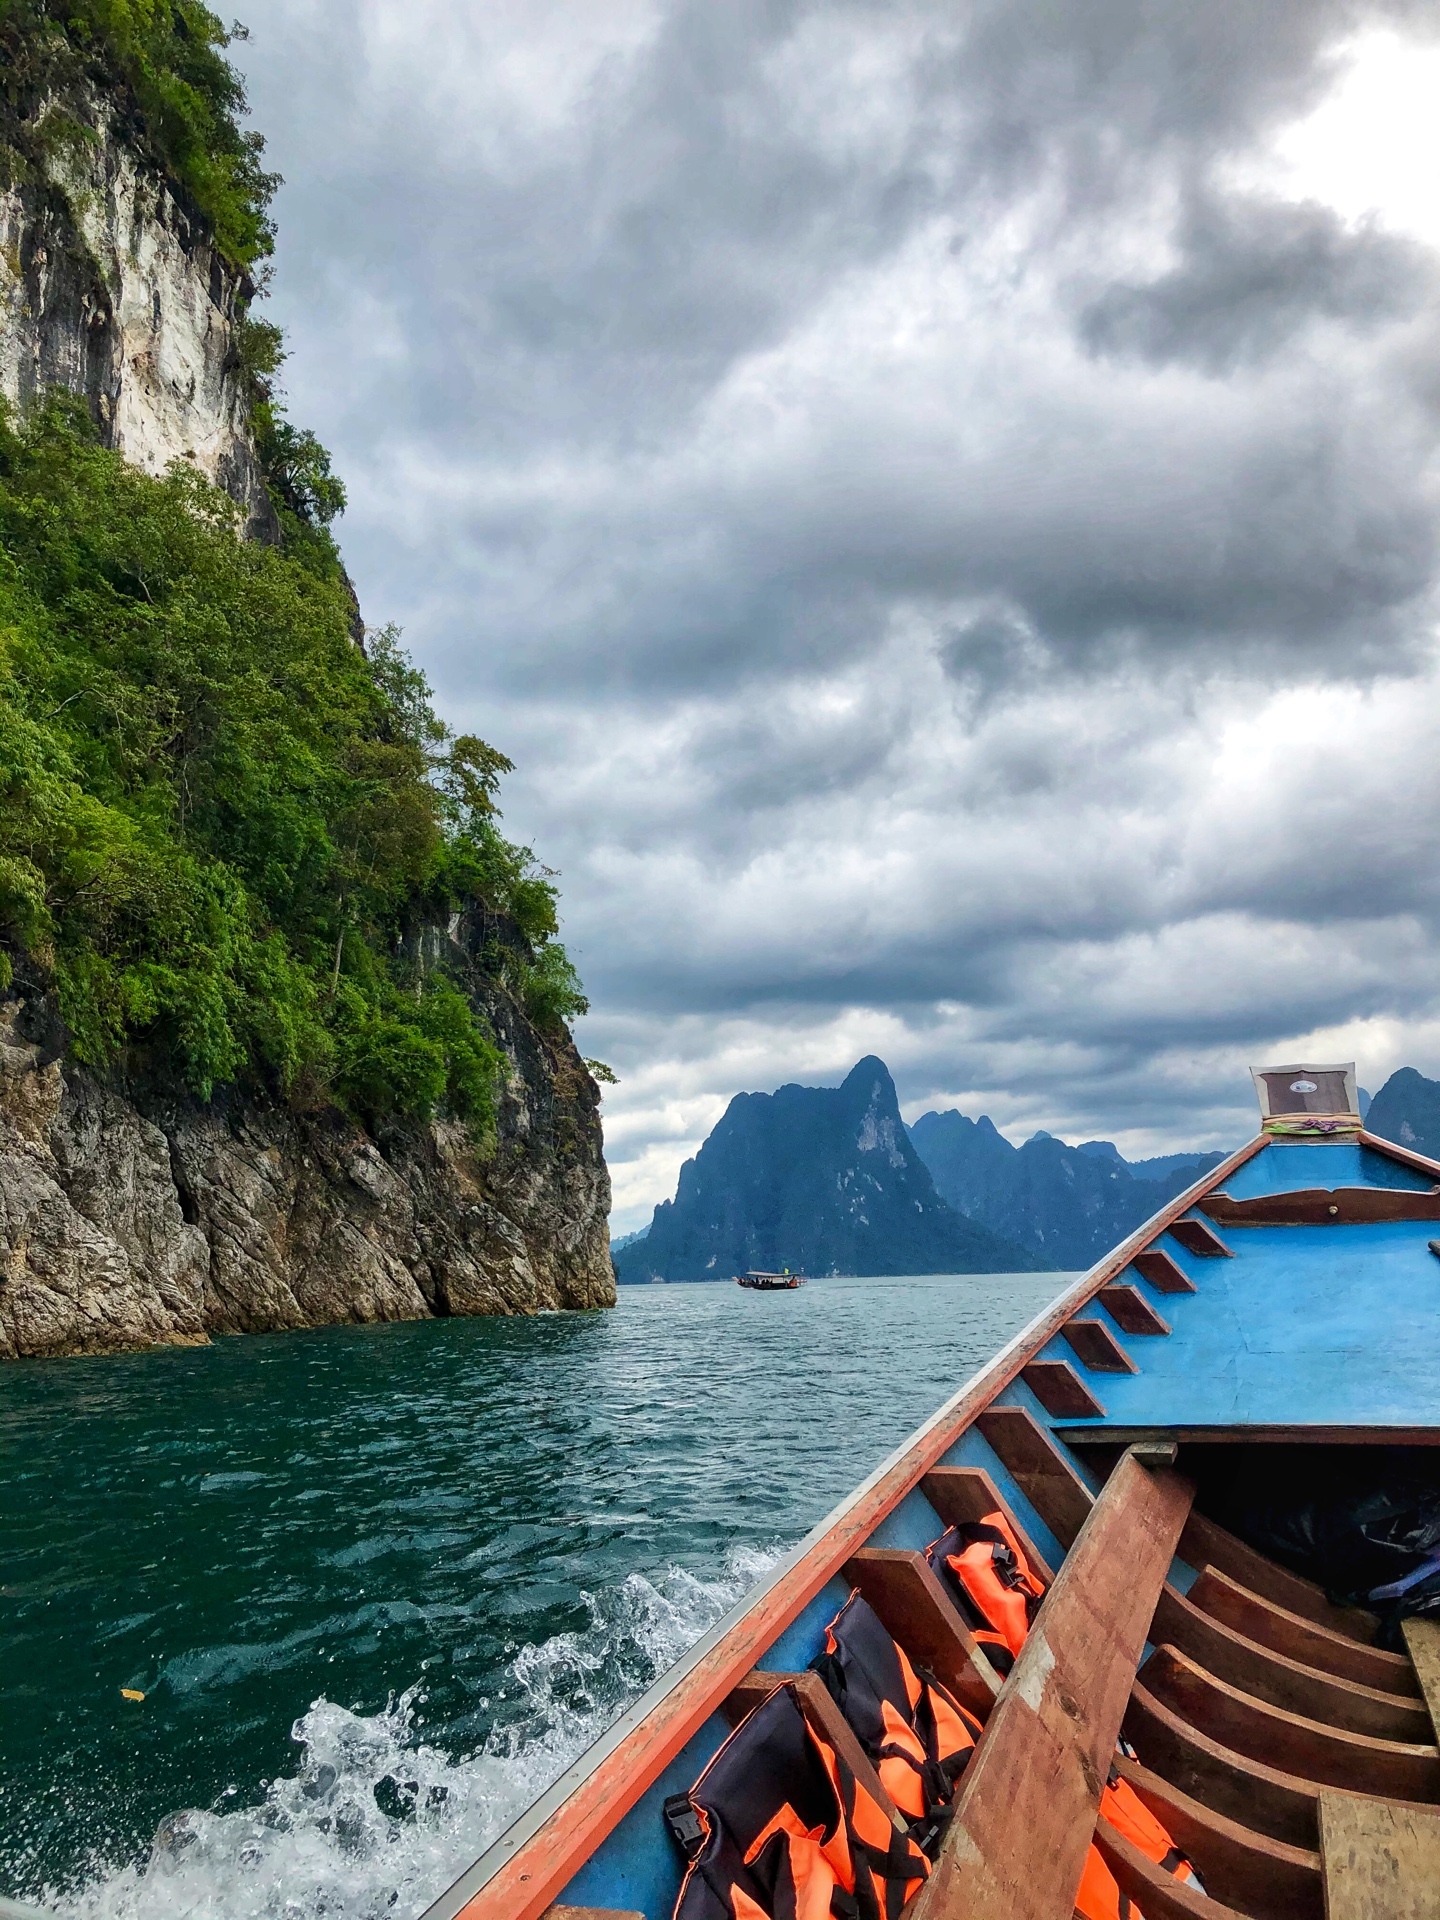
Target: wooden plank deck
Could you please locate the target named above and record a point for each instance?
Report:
(1422, 1642)
(1381, 1862)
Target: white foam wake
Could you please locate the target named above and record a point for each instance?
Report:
(374, 1821)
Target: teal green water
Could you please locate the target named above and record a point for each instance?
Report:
(378, 1585)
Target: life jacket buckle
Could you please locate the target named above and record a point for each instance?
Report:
(685, 1823)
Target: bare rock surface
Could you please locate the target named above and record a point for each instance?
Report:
(111, 291)
(130, 1220)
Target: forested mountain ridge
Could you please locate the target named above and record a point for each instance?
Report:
(817, 1179)
(1065, 1205)
(283, 1015)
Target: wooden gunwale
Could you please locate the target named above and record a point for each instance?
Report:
(525, 1870)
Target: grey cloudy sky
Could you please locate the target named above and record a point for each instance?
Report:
(939, 501)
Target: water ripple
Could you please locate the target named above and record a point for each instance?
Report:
(454, 1549)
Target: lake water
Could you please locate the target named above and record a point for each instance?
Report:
(378, 1585)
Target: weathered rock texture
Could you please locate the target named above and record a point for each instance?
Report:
(109, 290)
(130, 1219)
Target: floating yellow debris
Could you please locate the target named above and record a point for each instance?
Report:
(131, 1693)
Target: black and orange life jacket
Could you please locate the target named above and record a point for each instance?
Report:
(985, 1569)
(778, 1828)
(918, 1735)
(1099, 1896)
(1128, 1814)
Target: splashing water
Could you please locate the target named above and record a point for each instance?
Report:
(463, 1541)
(374, 1821)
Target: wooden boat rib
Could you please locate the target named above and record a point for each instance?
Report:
(1263, 1725)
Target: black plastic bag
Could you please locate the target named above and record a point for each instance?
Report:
(1352, 1519)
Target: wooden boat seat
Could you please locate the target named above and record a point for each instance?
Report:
(1272, 1625)
(1283, 1682)
(826, 1718)
(1042, 1473)
(915, 1611)
(591, 1913)
(1163, 1897)
(1061, 1391)
(1327, 1755)
(1264, 1798)
(1204, 1543)
(1268, 1879)
(962, 1494)
(1250, 1793)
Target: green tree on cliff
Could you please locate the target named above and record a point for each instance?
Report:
(219, 819)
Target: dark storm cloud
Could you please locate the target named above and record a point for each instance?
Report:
(947, 535)
(1253, 275)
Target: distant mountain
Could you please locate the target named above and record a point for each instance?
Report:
(1157, 1169)
(1407, 1111)
(1066, 1206)
(818, 1179)
(627, 1240)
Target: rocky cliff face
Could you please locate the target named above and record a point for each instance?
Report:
(109, 290)
(1407, 1110)
(130, 1215)
(128, 1218)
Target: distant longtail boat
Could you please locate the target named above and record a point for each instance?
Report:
(1032, 1666)
(770, 1282)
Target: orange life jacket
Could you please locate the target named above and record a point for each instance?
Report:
(918, 1734)
(986, 1571)
(1099, 1896)
(778, 1828)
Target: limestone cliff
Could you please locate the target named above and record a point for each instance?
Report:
(131, 1213)
(109, 289)
(133, 1218)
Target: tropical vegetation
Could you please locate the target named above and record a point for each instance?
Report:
(181, 101)
(224, 825)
